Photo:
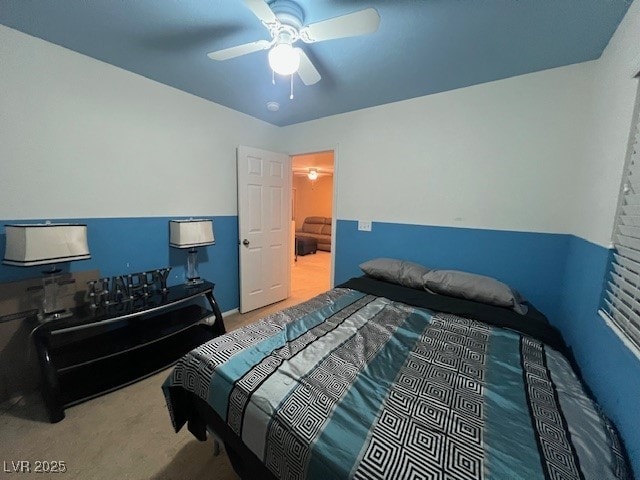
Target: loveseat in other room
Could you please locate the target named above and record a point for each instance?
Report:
(318, 228)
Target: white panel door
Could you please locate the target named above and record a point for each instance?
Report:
(264, 202)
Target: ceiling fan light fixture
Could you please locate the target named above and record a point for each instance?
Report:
(284, 59)
(313, 174)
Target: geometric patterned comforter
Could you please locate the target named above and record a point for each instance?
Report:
(350, 385)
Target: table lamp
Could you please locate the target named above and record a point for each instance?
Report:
(47, 244)
(191, 234)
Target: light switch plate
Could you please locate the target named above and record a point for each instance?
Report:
(364, 225)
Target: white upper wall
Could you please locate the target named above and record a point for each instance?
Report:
(500, 155)
(81, 138)
(526, 153)
(614, 93)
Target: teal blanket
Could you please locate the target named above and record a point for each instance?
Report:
(350, 385)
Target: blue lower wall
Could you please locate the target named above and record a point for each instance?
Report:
(128, 245)
(608, 367)
(533, 263)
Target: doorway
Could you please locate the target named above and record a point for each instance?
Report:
(312, 201)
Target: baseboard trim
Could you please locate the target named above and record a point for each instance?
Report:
(230, 312)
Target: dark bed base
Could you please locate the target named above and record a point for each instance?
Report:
(201, 415)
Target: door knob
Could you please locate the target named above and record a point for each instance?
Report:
(245, 242)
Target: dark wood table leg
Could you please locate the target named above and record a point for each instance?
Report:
(50, 383)
(218, 327)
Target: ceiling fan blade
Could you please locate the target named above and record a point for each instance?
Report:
(239, 50)
(261, 10)
(307, 71)
(356, 23)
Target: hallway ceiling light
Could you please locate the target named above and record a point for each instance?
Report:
(313, 174)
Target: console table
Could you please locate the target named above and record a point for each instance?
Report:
(96, 351)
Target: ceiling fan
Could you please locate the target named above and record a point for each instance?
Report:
(284, 20)
(312, 173)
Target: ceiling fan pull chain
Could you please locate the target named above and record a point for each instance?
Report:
(273, 77)
(291, 96)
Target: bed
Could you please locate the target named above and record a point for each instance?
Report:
(378, 380)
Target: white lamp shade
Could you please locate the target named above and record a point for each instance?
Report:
(191, 233)
(46, 243)
(284, 59)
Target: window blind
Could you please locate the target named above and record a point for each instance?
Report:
(621, 300)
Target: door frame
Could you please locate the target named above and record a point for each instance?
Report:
(335, 148)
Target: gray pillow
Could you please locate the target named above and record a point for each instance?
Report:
(392, 270)
(474, 287)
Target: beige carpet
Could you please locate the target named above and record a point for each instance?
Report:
(127, 433)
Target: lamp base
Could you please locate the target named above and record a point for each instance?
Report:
(193, 278)
(51, 291)
(47, 317)
(193, 282)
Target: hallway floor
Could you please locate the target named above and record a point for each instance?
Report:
(309, 277)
